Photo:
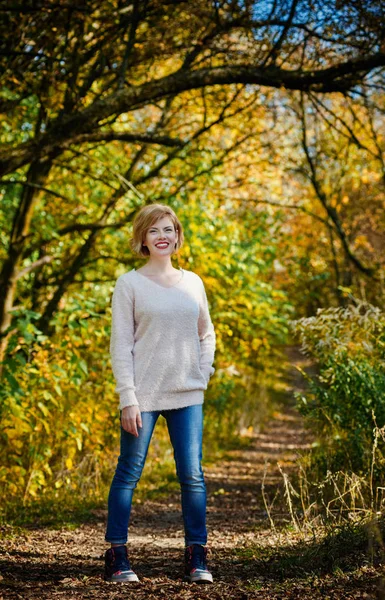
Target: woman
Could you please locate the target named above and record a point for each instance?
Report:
(162, 350)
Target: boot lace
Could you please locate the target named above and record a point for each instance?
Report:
(198, 557)
(120, 560)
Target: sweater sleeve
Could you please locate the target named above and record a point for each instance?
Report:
(122, 343)
(206, 336)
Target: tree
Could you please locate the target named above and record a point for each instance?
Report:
(71, 74)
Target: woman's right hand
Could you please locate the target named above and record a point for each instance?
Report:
(131, 419)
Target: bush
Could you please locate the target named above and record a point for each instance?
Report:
(55, 409)
(345, 402)
(59, 412)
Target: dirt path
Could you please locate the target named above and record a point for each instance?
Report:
(248, 559)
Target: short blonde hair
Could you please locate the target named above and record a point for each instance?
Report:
(144, 219)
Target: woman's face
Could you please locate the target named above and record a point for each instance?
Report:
(161, 237)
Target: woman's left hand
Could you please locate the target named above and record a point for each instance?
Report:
(131, 419)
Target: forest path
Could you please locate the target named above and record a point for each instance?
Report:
(248, 558)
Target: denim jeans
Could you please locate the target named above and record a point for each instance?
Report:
(185, 427)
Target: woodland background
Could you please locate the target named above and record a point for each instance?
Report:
(262, 125)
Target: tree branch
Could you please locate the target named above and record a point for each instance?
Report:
(274, 51)
(280, 205)
(337, 78)
(36, 186)
(109, 136)
(330, 210)
(42, 261)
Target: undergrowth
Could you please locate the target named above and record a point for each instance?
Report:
(346, 547)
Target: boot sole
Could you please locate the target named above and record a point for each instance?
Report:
(201, 578)
(129, 578)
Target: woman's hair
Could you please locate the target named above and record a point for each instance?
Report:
(145, 218)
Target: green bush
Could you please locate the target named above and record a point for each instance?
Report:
(345, 402)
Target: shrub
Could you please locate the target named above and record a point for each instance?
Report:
(345, 403)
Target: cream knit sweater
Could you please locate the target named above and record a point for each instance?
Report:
(162, 341)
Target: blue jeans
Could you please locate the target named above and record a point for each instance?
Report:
(185, 427)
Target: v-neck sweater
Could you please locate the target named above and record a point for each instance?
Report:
(162, 342)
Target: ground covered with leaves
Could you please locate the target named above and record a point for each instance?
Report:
(255, 550)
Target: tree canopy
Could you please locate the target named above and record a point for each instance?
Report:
(88, 63)
(260, 123)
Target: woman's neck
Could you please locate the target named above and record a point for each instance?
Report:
(159, 267)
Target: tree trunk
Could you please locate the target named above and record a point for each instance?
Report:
(37, 174)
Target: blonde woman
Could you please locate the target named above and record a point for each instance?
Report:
(162, 352)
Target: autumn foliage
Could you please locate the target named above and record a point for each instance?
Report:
(264, 132)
